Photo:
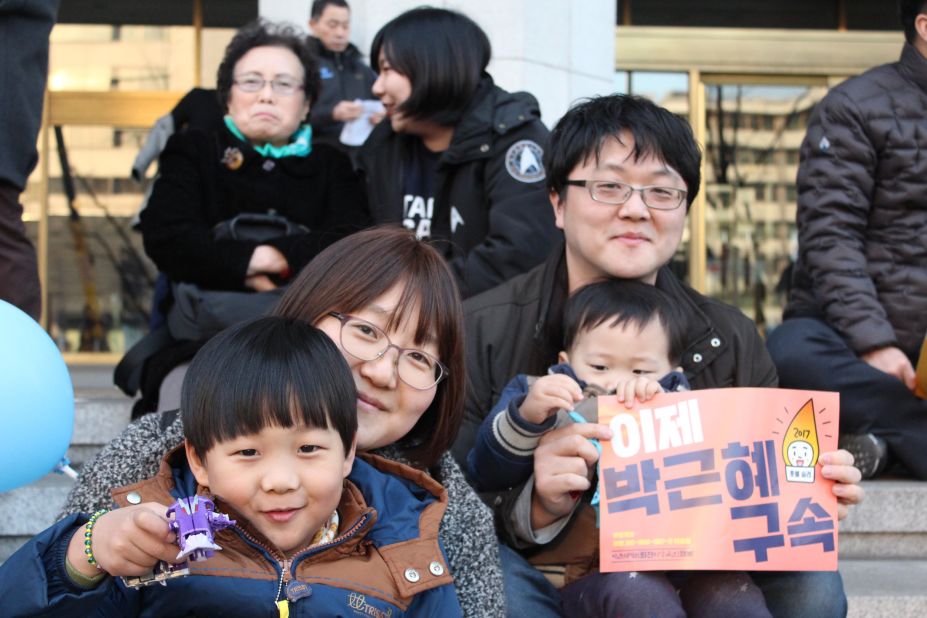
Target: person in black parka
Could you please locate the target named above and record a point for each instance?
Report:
(460, 160)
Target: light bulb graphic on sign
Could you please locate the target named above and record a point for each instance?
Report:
(800, 446)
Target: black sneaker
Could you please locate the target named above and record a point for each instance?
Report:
(870, 453)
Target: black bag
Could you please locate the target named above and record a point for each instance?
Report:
(197, 314)
(257, 227)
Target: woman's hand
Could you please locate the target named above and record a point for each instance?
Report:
(127, 541)
(838, 467)
(265, 261)
(260, 283)
(563, 464)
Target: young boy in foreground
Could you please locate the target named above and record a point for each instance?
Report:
(269, 414)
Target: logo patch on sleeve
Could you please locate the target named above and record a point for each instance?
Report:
(523, 161)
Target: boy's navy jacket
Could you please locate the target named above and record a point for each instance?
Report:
(503, 454)
(390, 514)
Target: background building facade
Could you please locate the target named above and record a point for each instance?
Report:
(745, 79)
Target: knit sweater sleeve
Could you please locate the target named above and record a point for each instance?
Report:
(469, 538)
(132, 456)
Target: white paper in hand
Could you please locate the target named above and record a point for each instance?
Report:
(356, 131)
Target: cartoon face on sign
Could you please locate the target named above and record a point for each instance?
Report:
(800, 453)
(800, 446)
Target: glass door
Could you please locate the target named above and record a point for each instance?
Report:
(751, 138)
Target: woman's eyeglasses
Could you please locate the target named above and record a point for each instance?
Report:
(365, 341)
(284, 86)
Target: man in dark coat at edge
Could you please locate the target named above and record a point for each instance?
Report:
(857, 313)
(24, 30)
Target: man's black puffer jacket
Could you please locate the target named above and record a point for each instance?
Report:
(862, 209)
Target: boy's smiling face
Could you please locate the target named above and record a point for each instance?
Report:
(606, 355)
(285, 481)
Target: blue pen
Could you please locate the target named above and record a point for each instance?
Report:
(578, 418)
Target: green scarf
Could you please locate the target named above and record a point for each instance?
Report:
(299, 146)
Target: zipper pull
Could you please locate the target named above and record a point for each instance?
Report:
(283, 608)
(287, 576)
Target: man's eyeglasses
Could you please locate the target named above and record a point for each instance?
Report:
(365, 341)
(284, 86)
(614, 192)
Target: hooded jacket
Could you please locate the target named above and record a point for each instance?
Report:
(862, 209)
(491, 207)
(345, 77)
(390, 515)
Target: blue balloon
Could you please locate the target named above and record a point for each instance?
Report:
(36, 400)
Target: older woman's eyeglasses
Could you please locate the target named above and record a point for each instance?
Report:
(365, 341)
(284, 86)
(616, 193)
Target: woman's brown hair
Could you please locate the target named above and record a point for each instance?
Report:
(358, 269)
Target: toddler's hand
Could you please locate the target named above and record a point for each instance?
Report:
(547, 395)
(127, 541)
(642, 387)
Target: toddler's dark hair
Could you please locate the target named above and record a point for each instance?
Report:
(620, 302)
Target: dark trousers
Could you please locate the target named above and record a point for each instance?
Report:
(19, 274)
(809, 354)
(714, 594)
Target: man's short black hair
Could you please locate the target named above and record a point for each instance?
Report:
(318, 7)
(908, 10)
(261, 33)
(622, 302)
(271, 371)
(443, 53)
(657, 132)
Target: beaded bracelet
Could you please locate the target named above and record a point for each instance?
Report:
(88, 537)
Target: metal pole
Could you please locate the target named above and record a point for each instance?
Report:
(697, 242)
(197, 43)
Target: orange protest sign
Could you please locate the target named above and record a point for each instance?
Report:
(721, 479)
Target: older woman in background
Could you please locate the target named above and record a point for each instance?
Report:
(259, 170)
(260, 161)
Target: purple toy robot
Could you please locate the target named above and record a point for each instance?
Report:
(195, 521)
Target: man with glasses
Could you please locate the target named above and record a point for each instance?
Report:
(622, 174)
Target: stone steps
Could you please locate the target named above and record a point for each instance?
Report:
(100, 414)
(878, 588)
(29, 510)
(890, 523)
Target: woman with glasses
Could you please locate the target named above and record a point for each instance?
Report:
(391, 304)
(260, 161)
(460, 159)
